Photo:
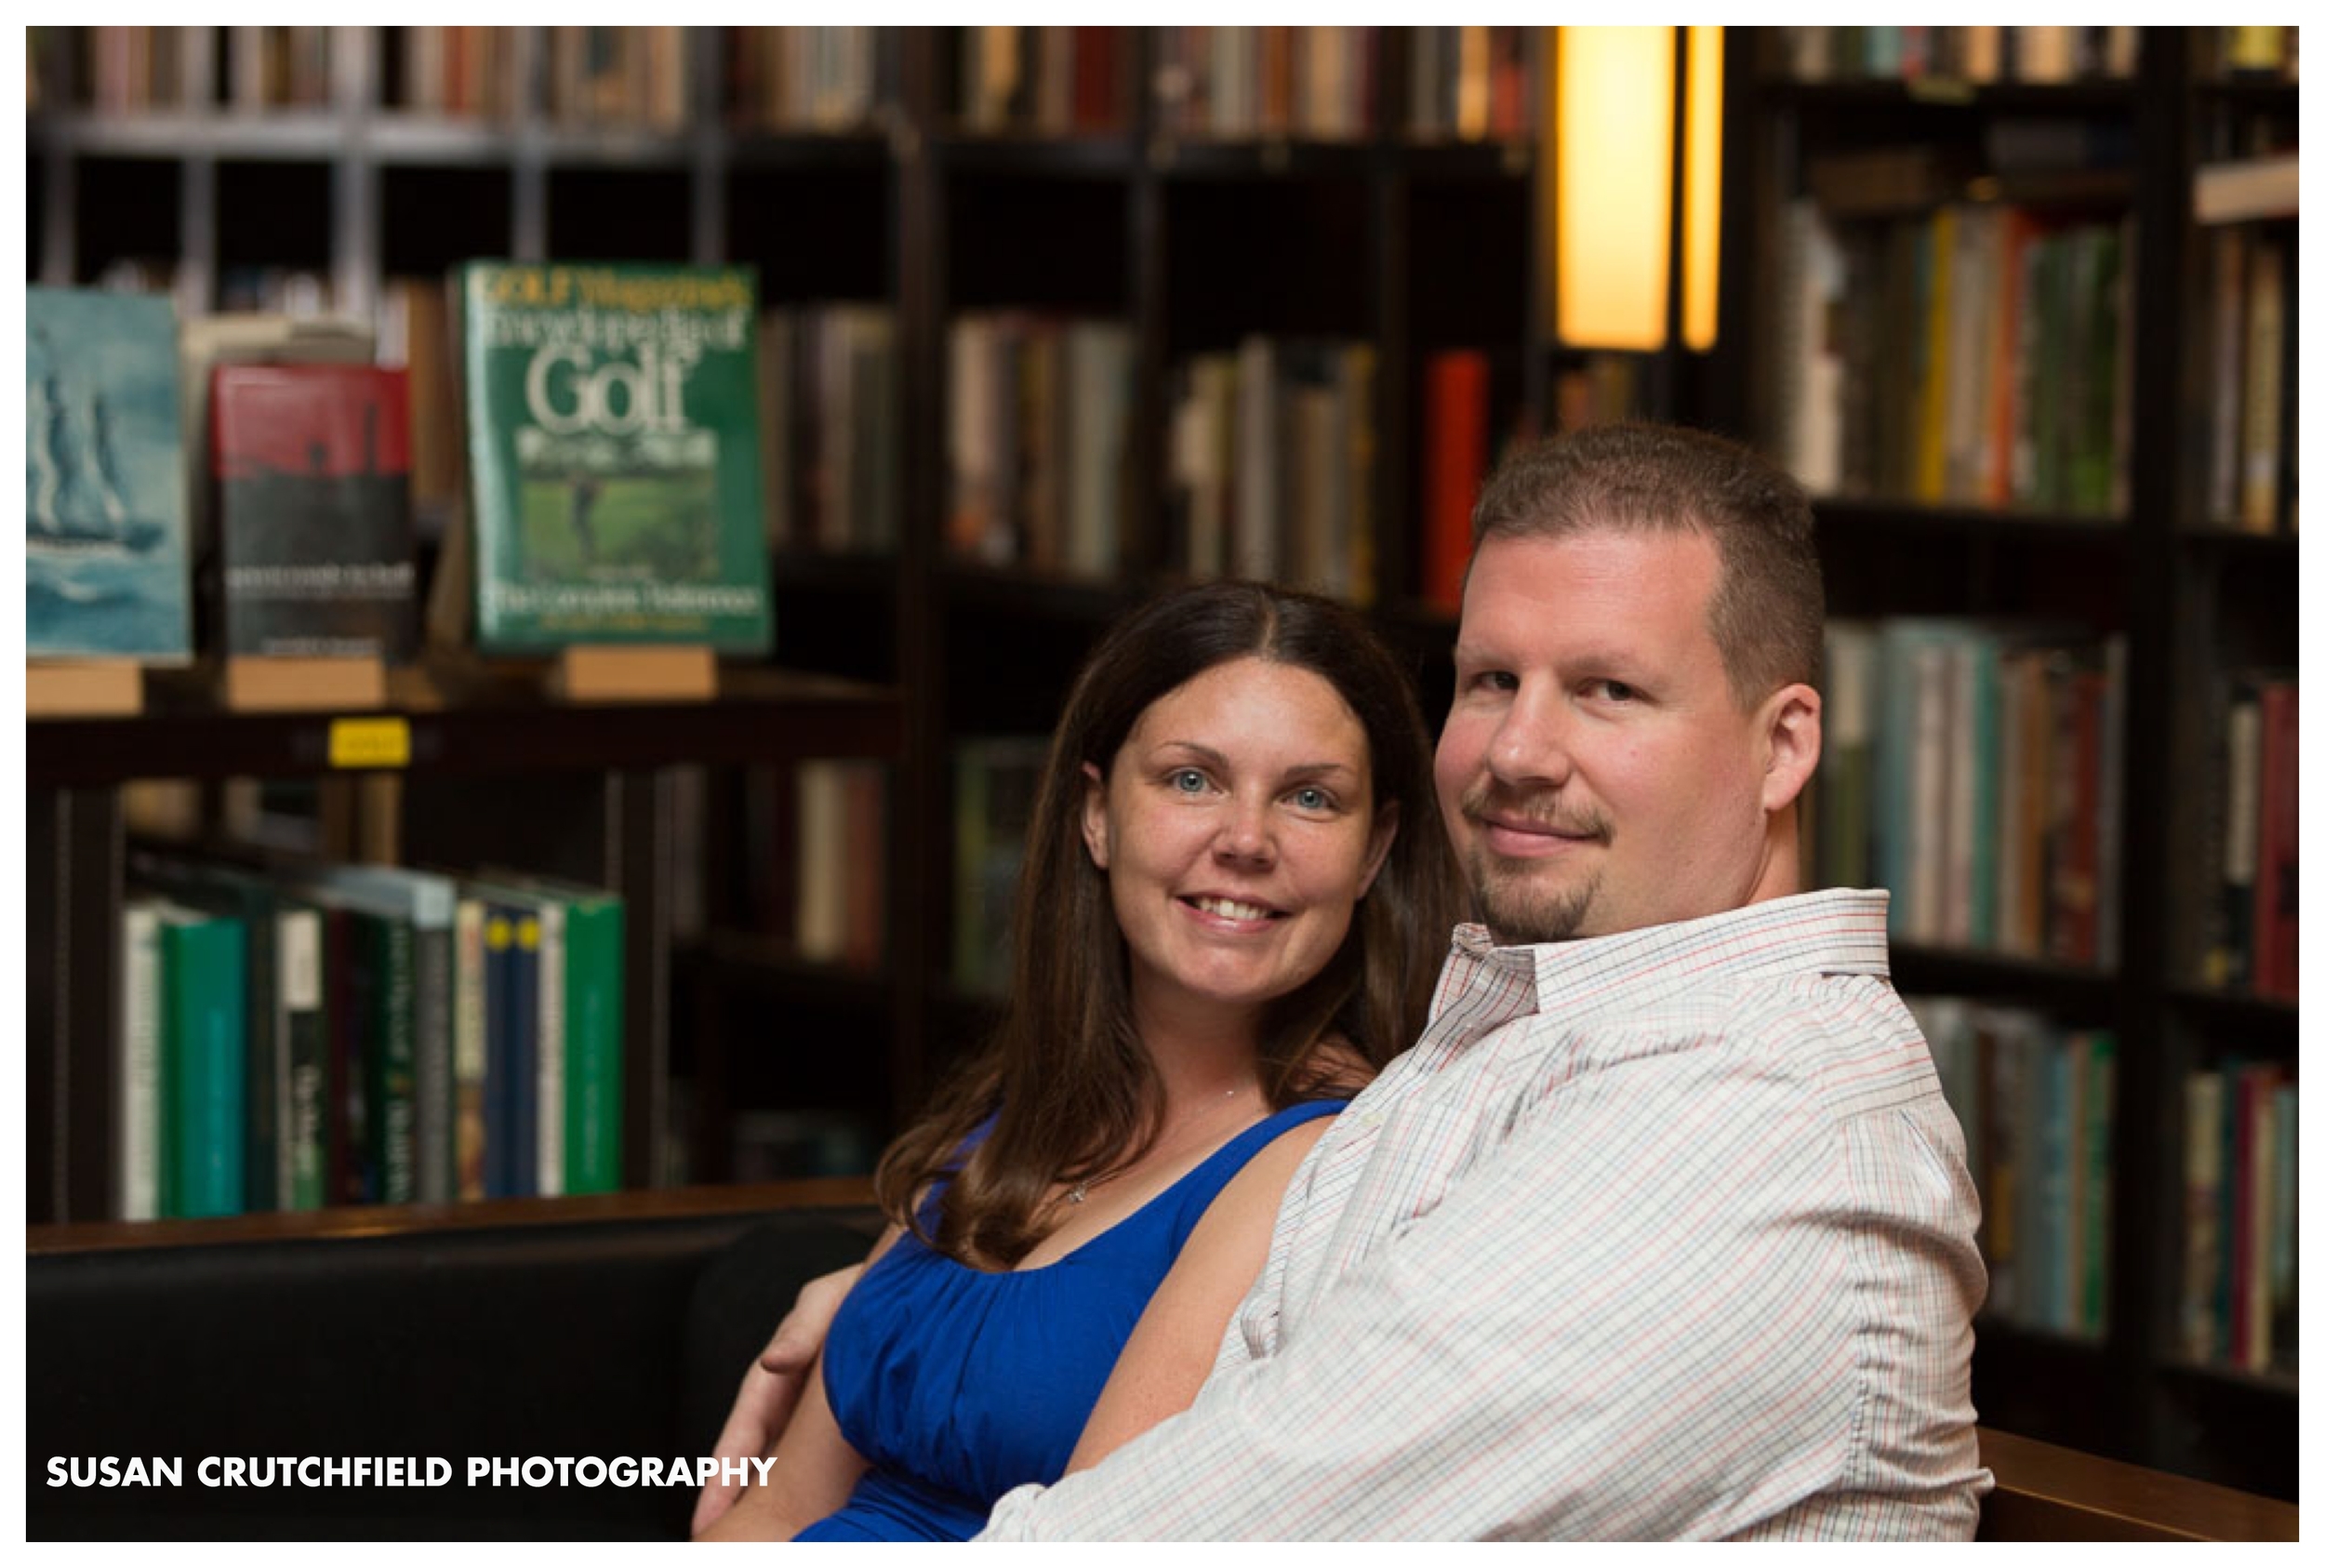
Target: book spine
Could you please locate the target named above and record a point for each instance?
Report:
(593, 1031)
(137, 1081)
(2200, 1211)
(204, 973)
(305, 1048)
(549, 1047)
(469, 1012)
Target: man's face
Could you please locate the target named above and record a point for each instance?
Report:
(1596, 772)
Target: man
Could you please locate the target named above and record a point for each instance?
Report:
(1663, 1229)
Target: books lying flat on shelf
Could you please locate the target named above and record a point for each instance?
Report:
(2249, 188)
(106, 559)
(614, 491)
(314, 511)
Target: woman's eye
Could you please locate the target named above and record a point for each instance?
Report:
(1311, 799)
(1187, 782)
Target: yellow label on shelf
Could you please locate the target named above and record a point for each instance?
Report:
(370, 743)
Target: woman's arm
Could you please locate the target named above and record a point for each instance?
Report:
(771, 1389)
(1170, 1352)
(815, 1468)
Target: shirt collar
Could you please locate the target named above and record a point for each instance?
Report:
(1839, 931)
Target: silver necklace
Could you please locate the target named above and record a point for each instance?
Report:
(1080, 1190)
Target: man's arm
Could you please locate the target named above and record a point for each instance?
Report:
(1631, 1320)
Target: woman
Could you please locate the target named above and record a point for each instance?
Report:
(1220, 933)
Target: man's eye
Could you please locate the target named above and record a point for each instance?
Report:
(1494, 680)
(1615, 691)
(1187, 782)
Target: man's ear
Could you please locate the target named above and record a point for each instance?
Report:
(1094, 813)
(1792, 726)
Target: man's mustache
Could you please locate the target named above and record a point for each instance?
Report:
(1537, 810)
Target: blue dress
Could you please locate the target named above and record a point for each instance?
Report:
(958, 1384)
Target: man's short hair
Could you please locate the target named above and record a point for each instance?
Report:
(1768, 615)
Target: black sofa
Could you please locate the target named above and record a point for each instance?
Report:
(612, 1338)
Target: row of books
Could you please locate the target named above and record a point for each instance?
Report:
(2252, 478)
(1317, 83)
(608, 419)
(147, 70)
(637, 76)
(2252, 921)
(1977, 55)
(831, 435)
(2240, 1226)
(815, 838)
(1271, 472)
(1975, 769)
(1053, 81)
(1474, 84)
(1037, 440)
(2037, 1105)
(995, 780)
(1974, 354)
(809, 78)
(294, 1036)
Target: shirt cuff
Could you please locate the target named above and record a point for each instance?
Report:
(1013, 1515)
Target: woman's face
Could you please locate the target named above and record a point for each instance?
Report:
(1237, 830)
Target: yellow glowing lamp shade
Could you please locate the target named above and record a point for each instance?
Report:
(1616, 121)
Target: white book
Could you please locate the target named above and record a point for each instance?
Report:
(137, 1074)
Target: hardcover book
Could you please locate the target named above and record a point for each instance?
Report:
(313, 466)
(612, 432)
(105, 559)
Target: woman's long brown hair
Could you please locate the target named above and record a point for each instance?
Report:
(1076, 1095)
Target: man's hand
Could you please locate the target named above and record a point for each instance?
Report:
(770, 1389)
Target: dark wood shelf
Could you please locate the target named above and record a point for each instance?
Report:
(1871, 514)
(1267, 158)
(2273, 1015)
(397, 1219)
(2107, 94)
(2271, 1384)
(2086, 994)
(492, 726)
(2232, 543)
(1022, 591)
(870, 150)
(1091, 155)
(751, 962)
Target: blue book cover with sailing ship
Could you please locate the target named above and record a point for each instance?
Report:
(105, 570)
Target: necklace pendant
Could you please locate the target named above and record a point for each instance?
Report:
(1078, 1192)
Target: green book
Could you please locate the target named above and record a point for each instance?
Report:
(612, 432)
(204, 1016)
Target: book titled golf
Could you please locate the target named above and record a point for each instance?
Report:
(612, 428)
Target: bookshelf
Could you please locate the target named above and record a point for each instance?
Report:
(2194, 589)
(923, 189)
(920, 185)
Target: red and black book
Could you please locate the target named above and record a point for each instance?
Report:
(314, 508)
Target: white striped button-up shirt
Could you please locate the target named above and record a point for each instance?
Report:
(1665, 1234)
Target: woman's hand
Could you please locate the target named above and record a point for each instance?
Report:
(771, 1388)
